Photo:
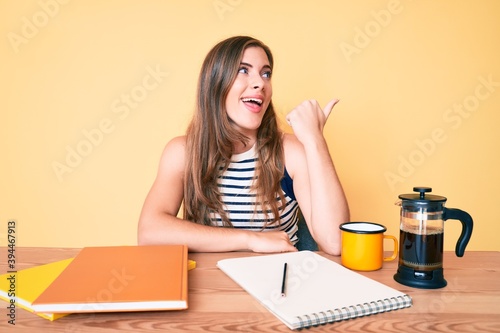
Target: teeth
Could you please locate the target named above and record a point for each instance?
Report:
(256, 100)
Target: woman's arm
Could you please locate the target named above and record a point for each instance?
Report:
(159, 224)
(316, 184)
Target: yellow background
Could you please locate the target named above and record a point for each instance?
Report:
(419, 84)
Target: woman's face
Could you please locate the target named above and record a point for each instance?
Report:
(251, 92)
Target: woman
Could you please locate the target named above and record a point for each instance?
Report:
(240, 179)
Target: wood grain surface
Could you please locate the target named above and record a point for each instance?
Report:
(470, 302)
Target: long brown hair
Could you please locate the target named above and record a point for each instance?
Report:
(210, 138)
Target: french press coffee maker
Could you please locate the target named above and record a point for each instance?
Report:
(421, 238)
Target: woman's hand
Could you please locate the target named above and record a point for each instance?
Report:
(270, 241)
(308, 119)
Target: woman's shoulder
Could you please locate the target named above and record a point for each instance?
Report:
(174, 152)
(178, 142)
(176, 145)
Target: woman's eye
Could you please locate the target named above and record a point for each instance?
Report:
(267, 75)
(243, 70)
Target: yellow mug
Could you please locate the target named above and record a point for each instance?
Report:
(363, 245)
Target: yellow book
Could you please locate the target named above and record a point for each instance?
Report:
(191, 264)
(26, 285)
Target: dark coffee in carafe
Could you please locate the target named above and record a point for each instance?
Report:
(421, 252)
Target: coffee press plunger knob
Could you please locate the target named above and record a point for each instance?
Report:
(422, 190)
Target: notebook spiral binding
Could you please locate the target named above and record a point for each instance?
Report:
(353, 311)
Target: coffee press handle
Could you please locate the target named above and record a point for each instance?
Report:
(467, 225)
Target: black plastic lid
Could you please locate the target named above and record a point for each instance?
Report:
(421, 196)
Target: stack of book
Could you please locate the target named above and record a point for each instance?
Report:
(103, 279)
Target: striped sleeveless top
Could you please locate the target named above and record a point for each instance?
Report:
(240, 202)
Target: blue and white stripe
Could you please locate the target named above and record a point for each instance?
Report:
(240, 201)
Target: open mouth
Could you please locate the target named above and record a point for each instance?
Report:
(255, 101)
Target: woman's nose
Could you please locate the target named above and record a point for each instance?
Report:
(257, 82)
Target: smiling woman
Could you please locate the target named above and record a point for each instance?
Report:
(250, 95)
(243, 182)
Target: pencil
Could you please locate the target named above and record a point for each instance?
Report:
(283, 283)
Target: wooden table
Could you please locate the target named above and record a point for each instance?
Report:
(470, 302)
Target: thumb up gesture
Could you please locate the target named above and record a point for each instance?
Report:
(308, 119)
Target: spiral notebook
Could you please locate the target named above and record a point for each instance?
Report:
(318, 290)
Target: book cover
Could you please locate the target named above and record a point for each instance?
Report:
(120, 278)
(317, 290)
(29, 283)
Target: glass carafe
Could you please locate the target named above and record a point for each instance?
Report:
(421, 239)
